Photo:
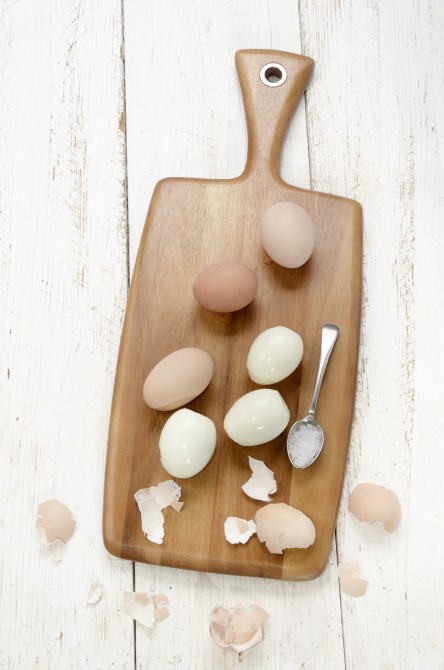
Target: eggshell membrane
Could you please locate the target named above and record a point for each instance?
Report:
(372, 502)
(281, 527)
(55, 521)
(225, 287)
(238, 531)
(287, 233)
(178, 378)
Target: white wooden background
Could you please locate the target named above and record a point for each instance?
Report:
(98, 100)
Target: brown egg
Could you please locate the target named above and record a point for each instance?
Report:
(287, 234)
(225, 287)
(178, 378)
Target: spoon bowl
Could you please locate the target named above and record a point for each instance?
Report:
(304, 442)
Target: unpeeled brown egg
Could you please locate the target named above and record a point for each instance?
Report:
(178, 378)
(287, 233)
(225, 287)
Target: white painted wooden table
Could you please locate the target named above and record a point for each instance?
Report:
(97, 102)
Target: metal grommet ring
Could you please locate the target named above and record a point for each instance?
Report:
(273, 74)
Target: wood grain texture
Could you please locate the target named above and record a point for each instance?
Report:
(190, 225)
(374, 114)
(63, 287)
(200, 131)
(380, 72)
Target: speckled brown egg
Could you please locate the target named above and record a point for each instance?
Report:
(225, 287)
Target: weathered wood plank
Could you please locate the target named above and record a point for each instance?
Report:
(375, 124)
(63, 291)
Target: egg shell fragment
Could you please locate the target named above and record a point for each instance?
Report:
(281, 527)
(178, 378)
(372, 502)
(238, 628)
(238, 531)
(257, 417)
(95, 593)
(274, 355)
(261, 482)
(187, 443)
(350, 580)
(287, 233)
(55, 521)
(225, 287)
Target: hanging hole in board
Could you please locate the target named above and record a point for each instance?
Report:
(273, 74)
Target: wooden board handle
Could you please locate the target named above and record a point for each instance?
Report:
(272, 84)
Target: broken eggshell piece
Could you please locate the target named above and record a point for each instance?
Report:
(56, 525)
(57, 549)
(152, 517)
(145, 609)
(178, 378)
(350, 579)
(372, 503)
(138, 606)
(281, 527)
(187, 443)
(238, 628)
(261, 483)
(151, 501)
(160, 604)
(95, 593)
(257, 417)
(238, 531)
(274, 355)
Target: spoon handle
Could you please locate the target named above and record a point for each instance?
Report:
(329, 336)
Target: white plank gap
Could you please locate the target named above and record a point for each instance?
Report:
(185, 118)
(63, 288)
(375, 125)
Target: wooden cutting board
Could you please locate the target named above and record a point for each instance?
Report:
(192, 223)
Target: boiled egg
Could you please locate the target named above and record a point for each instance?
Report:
(187, 443)
(178, 378)
(274, 355)
(257, 417)
(287, 234)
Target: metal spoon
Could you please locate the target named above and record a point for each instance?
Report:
(306, 437)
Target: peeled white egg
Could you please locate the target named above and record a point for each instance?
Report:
(187, 443)
(274, 355)
(257, 417)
